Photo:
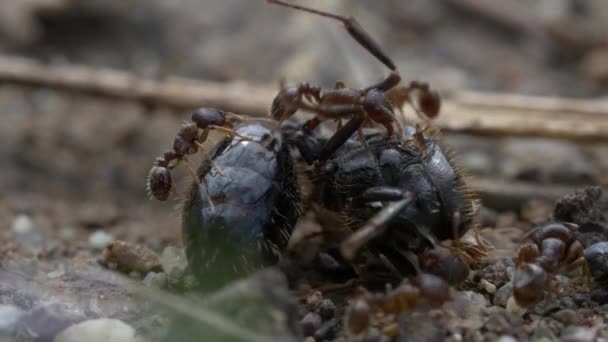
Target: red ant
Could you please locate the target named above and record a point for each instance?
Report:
(369, 104)
(553, 248)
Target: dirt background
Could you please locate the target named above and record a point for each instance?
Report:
(75, 164)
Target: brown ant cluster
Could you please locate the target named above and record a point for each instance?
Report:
(553, 249)
(379, 309)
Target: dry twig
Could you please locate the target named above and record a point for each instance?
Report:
(466, 112)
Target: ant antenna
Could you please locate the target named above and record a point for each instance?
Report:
(352, 27)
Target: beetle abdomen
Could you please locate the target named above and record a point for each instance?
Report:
(256, 203)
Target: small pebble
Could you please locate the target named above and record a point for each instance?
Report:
(513, 307)
(580, 334)
(190, 282)
(98, 330)
(328, 330)
(313, 301)
(100, 239)
(174, 263)
(506, 338)
(489, 287)
(567, 302)
(67, 233)
(496, 321)
(503, 294)
(22, 224)
(310, 323)
(327, 309)
(9, 316)
(129, 257)
(25, 233)
(46, 320)
(565, 316)
(373, 334)
(544, 332)
(153, 279)
(474, 299)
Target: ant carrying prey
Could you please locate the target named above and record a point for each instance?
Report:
(369, 104)
(246, 196)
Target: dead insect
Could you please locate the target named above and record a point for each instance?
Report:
(370, 104)
(256, 202)
(401, 203)
(553, 249)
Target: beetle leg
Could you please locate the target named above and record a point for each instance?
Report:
(341, 136)
(382, 193)
(374, 227)
(390, 266)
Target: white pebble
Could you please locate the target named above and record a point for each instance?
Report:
(98, 330)
(489, 287)
(22, 224)
(100, 239)
(9, 316)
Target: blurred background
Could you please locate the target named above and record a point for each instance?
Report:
(75, 164)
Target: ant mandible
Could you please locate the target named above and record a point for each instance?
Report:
(362, 105)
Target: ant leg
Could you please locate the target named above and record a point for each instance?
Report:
(207, 157)
(390, 266)
(429, 101)
(374, 227)
(242, 119)
(341, 136)
(199, 182)
(229, 131)
(352, 27)
(339, 124)
(416, 141)
(190, 169)
(361, 137)
(386, 84)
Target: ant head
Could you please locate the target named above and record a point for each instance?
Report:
(203, 117)
(283, 104)
(440, 261)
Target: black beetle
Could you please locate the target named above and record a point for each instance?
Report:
(253, 187)
(412, 192)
